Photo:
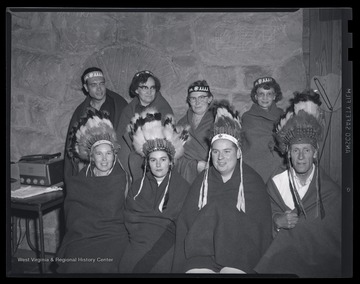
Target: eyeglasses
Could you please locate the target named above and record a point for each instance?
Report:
(200, 99)
(263, 95)
(145, 88)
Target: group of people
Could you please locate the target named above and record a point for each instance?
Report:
(211, 193)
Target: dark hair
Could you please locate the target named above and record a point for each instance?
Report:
(142, 77)
(146, 161)
(200, 83)
(169, 156)
(306, 95)
(267, 86)
(87, 71)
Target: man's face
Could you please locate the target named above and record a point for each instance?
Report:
(302, 157)
(96, 88)
(146, 91)
(224, 155)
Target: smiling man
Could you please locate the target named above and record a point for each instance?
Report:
(98, 97)
(305, 202)
(225, 223)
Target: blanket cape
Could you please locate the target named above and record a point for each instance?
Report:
(151, 232)
(95, 228)
(219, 235)
(313, 248)
(258, 144)
(197, 147)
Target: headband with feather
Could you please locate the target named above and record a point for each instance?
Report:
(302, 124)
(226, 126)
(150, 134)
(93, 129)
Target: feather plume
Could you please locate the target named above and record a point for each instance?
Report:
(284, 120)
(150, 134)
(300, 127)
(308, 106)
(94, 126)
(227, 121)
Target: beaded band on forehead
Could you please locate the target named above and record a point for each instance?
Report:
(101, 142)
(263, 81)
(93, 74)
(225, 136)
(205, 89)
(144, 72)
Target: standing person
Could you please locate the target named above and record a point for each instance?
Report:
(200, 117)
(97, 97)
(95, 235)
(154, 200)
(145, 91)
(258, 124)
(305, 202)
(225, 223)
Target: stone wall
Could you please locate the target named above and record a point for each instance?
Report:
(50, 50)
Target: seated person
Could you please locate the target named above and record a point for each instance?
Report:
(95, 236)
(305, 202)
(200, 117)
(225, 223)
(145, 91)
(258, 124)
(98, 97)
(155, 199)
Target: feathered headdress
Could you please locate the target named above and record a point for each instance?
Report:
(226, 126)
(91, 130)
(150, 134)
(302, 124)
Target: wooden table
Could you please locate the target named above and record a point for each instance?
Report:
(35, 206)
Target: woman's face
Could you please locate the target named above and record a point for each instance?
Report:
(199, 102)
(146, 91)
(103, 156)
(159, 163)
(265, 97)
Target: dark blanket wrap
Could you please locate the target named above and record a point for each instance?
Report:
(94, 223)
(197, 147)
(258, 145)
(313, 247)
(219, 235)
(151, 232)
